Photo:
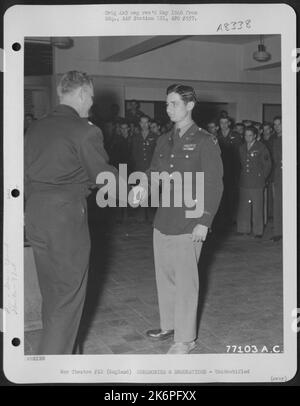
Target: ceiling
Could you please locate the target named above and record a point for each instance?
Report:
(39, 52)
(115, 51)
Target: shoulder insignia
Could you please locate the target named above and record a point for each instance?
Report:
(212, 137)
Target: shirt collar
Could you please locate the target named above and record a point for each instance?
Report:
(65, 110)
(227, 135)
(251, 145)
(185, 129)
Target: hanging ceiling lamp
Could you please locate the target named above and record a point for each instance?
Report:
(261, 55)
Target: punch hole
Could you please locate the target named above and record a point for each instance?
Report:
(16, 342)
(15, 193)
(16, 46)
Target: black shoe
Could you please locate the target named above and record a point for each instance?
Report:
(276, 238)
(159, 334)
(258, 236)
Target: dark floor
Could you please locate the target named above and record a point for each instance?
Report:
(240, 292)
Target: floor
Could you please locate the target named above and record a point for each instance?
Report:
(240, 291)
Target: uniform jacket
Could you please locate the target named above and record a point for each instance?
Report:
(232, 139)
(255, 165)
(134, 118)
(64, 152)
(269, 144)
(230, 155)
(142, 150)
(195, 151)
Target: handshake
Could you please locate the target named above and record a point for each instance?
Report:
(139, 194)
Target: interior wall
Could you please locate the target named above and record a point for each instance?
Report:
(40, 88)
(245, 100)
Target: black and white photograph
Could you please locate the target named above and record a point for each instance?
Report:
(125, 249)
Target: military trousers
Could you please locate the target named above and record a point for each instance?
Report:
(250, 202)
(176, 268)
(277, 208)
(57, 229)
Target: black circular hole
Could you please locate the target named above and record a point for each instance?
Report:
(16, 46)
(16, 342)
(15, 193)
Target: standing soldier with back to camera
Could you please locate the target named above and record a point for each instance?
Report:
(64, 153)
(178, 239)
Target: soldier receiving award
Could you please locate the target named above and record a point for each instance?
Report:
(178, 239)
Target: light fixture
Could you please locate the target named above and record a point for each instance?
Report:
(62, 42)
(261, 55)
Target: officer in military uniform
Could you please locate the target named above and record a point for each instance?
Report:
(178, 239)
(213, 127)
(64, 153)
(143, 143)
(133, 113)
(255, 167)
(277, 181)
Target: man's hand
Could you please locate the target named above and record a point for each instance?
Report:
(139, 194)
(199, 233)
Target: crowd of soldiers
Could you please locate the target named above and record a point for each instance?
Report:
(251, 154)
(252, 161)
(132, 139)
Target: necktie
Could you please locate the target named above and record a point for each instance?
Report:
(177, 132)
